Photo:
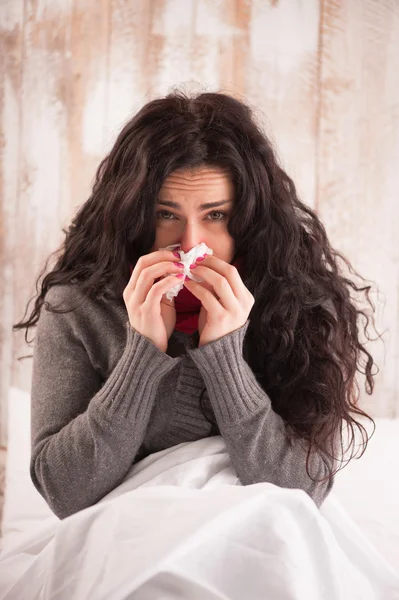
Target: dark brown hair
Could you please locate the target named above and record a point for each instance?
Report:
(303, 341)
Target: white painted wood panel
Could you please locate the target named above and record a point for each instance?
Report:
(39, 166)
(358, 164)
(321, 77)
(11, 26)
(283, 83)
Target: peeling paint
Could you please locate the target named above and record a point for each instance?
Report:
(320, 76)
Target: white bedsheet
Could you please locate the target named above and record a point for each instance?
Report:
(181, 526)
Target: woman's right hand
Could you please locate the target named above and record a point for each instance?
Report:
(147, 314)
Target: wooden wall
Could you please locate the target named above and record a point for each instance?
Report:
(321, 75)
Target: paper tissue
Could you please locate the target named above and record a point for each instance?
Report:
(187, 258)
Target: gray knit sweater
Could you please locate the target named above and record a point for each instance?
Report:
(104, 396)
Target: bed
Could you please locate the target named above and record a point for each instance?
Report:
(357, 524)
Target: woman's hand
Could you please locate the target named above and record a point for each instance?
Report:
(144, 293)
(168, 312)
(226, 302)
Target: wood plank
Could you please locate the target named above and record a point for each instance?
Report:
(132, 58)
(157, 45)
(84, 80)
(87, 69)
(283, 83)
(11, 32)
(358, 162)
(38, 180)
(63, 116)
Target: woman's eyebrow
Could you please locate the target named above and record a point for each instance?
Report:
(201, 206)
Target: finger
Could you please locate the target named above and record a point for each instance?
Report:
(170, 303)
(149, 276)
(148, 260)
(219, 286)
(229, 272)
(206, 296)
(158, 290)
(149, 293)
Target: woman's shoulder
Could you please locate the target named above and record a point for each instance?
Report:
(73, 318)
(66, 297)
(78, 307)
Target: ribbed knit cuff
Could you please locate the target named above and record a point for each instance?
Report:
(232, 387)
(128, 391)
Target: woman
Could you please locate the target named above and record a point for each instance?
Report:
(263, 352)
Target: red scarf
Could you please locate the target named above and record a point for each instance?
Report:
(188, 306)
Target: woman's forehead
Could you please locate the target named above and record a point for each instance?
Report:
(199, 180)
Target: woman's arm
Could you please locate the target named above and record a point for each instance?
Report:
(254, 434)
(85, 435)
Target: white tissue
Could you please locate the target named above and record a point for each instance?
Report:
(187, 258)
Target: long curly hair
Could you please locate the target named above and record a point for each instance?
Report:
(302, 342)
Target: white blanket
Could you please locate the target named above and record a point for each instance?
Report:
(182, 526)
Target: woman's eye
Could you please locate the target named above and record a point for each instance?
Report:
(160, 215)
(163, 212)
(220, 212)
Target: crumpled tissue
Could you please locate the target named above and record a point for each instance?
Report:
(187, 258)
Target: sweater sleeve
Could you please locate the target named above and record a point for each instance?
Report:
(85, 433)
(254, 434)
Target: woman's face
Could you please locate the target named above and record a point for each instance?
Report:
(181, 218)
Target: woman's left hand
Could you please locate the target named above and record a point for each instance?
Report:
(226, 302)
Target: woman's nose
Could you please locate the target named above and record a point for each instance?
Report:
(187, 246)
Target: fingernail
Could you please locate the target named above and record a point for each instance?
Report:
(179, 264)
(200, 258)
(180, 275)
(193, 266)
(176, 254)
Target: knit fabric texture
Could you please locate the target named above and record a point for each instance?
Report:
(103, 397)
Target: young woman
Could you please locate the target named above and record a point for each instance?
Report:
(264, 352)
